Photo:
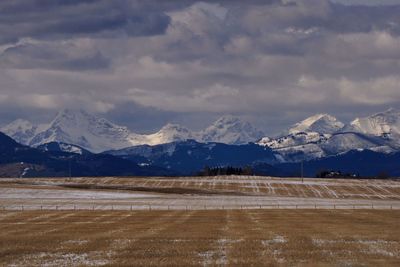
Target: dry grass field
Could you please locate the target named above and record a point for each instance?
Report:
(235, 185)
(197, 193)
(187, 226)
(200, 238)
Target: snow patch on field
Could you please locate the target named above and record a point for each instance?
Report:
(276, 240)
(45, 259)
(276, 252)
(219, 256)
(26, 193)
(207, 257)
(378, 247)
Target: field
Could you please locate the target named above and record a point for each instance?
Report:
(197, 193)
(243, 185)
(200, 238)
(207, 221)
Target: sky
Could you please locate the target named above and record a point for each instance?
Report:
(145, 63)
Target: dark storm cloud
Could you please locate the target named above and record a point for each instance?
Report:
(68, 19)
(358, 18)
(30, 56)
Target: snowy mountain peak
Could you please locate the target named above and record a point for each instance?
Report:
(95, 134)
(83, 129)
(231, 130)
(20, 130)
(380, 124)
(18, 125)
(169, 133)
(321, 123)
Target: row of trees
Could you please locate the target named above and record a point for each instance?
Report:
(340, 174)
(336, 174)
(215, 171)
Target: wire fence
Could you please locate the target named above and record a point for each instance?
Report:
(95, 207)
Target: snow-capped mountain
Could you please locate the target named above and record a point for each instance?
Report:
(323, 135)
(230, 130)
(384, 124)
(346, 141)
(79, 128)
(20, 130)
(295, 139)
(87, 131)
(318, 136)
(62, 147)
(297, 145)
(320, 123)
(305, 139)
(169, 133)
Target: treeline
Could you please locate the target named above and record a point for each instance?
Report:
(340, 174)
(336, 174)
(215, 171)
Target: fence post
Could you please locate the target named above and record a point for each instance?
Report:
(372, 205)
(391, 207)
(334, 207)
(296, 207)
(74, 207)
(22, 207)
(149, 207)
(315, 206)
(112, 207)
(131, 207)
(56, 207)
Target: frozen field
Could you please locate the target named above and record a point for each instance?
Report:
(225, 192)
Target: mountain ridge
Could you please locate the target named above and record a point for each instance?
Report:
(78, 127)
(317, 136)
(322, 135)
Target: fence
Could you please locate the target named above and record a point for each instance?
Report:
(188, 208)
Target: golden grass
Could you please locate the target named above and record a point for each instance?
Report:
(200, 238)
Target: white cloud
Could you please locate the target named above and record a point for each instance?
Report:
(217, 90)
(42, 101)
(216, 98)
(375, 45)
(383, 90)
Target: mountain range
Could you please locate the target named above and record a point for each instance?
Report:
(17, 160)
(323, 135)
(95, 134)
(189, 157)
(320, 141)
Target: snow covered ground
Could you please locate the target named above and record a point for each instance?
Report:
(312, 193)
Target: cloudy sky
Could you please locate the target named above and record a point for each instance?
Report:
(145, 63)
